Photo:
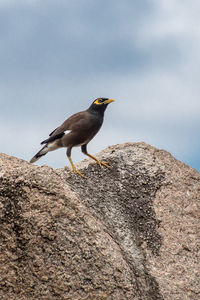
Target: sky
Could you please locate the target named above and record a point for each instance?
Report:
(57, 56)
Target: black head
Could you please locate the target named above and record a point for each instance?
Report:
(100, 105)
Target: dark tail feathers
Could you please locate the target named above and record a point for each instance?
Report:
(37, 156)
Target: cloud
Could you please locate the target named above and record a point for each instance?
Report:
(67, 39)
(57, 56)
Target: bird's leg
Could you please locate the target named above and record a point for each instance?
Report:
(74, 168)
(72, 164)
(100, 163)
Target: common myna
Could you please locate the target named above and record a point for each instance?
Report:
(78, 130)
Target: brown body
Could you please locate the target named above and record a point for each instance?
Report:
(77, 130)
(83, 126)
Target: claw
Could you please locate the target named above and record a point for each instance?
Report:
(74, 170)
(105, 164)
(79, 173)
(100, 163)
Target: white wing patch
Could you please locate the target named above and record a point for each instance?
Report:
(67, 131)
(51, 146)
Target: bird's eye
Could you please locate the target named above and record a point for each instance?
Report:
(102, 100)
(98, 101)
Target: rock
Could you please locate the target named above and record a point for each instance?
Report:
(129, 232)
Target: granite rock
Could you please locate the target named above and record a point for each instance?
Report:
(129, 232)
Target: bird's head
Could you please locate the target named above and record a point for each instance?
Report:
(100, 104)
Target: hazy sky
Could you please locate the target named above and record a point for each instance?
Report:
(57, 56)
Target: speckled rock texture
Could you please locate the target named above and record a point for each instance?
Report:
(129, 232)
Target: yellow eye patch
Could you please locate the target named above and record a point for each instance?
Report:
(98, 101)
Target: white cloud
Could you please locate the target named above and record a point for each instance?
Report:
(158, 103)
(178, 18)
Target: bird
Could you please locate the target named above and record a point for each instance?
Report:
(78, 130)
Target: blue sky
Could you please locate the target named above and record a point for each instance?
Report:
(57, 56)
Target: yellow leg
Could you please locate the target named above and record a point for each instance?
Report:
(100, 163)
(74, 168)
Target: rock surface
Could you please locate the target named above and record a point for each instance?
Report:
(129, 232)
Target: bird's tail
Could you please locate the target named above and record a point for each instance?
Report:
(42, 152)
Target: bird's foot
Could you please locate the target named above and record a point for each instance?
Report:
(74, 170)
(79, 173)
(105, 164)
(100, 163)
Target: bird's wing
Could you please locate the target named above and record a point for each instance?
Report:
(68, 125)
(53, 138)
(53, 131)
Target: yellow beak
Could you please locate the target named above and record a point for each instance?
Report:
(109, 101)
